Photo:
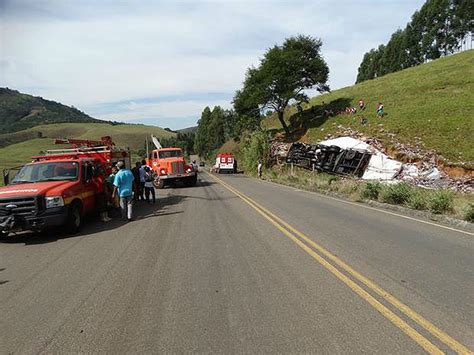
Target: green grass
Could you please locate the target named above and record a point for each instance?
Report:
(432, 102)
(132, 136)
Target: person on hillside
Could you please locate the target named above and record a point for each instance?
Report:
(361, 104)
(123, 186)
(148, 185)
(380, 110)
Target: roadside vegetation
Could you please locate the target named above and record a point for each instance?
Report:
(436, 202)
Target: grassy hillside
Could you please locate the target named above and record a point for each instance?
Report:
(21, 111)
(431, 106)
(132, 136)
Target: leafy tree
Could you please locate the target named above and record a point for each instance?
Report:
(216, 134)
(393, 58)
(437, 29)
(201, 142)
(283, 74)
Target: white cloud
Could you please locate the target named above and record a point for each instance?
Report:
(89, 52)
(133, 111)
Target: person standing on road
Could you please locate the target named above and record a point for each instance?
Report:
(114, 200)
(142, 173)
(123, 185)
(259, 169)
(136, 182)
(149, 188)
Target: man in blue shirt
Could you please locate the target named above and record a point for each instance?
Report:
(123, 184)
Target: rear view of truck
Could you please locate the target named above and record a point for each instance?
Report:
(225, 163)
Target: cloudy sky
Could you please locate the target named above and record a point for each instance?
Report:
(161, 62)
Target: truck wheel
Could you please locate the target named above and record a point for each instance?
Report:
(74, 218)
(159, 184)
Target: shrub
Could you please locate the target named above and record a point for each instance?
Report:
(441, 201)
(469, 212)
(256, 149)
(418, 200)
(371, 190)
(396, 194)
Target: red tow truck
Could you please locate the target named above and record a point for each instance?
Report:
(59, 187)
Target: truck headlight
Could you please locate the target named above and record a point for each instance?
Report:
(162, 172)
(54, 201)
(188, 170)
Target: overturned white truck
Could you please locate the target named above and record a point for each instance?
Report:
(344, 156)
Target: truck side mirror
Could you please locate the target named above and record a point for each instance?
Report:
(6, 177)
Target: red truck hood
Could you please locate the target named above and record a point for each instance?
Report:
(47, 188)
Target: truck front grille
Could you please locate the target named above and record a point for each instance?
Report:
(177, 167)
(25, 205)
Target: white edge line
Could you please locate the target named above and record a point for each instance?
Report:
(370, 208)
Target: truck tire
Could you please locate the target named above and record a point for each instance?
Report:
(159, 184)
(74, 218)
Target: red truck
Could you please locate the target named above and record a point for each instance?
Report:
(170, 167)
(59, 187)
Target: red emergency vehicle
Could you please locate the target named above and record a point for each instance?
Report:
(59, 187)
(225, 163)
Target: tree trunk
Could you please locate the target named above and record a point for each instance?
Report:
(283, 123)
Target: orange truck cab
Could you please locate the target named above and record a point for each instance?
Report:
(59, 187)
(170, 167)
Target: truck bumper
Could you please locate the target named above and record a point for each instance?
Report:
(177, 176)
(50, 218)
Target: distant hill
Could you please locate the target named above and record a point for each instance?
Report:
(429, 106)
(21, 111)
(187, 130)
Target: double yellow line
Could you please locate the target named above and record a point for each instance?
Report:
(335, 265)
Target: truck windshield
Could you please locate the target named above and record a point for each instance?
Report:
(50, 171)
(171, 154)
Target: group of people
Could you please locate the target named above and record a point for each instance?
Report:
(353, 110)
(123, 187)
(143, 182)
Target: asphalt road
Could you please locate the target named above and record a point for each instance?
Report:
(237, 265)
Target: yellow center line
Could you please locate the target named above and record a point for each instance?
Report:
(287, 230)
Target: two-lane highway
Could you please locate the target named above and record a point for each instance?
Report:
(240, 265)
